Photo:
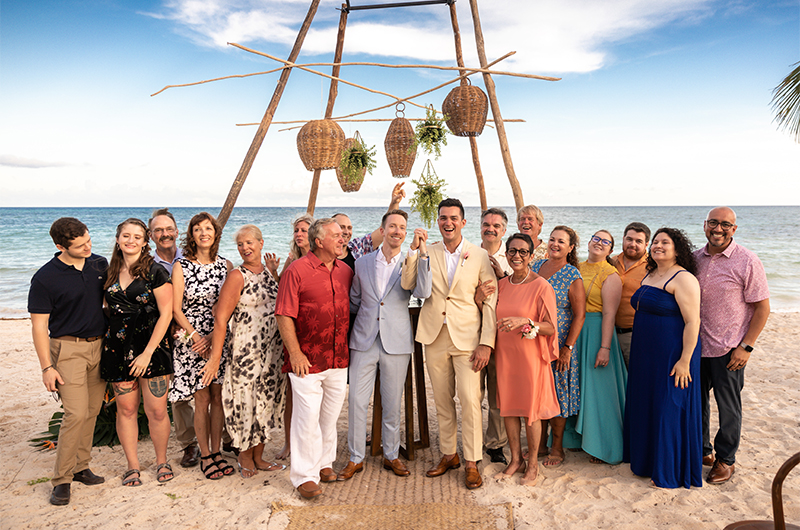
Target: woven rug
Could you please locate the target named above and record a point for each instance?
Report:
(433, 516)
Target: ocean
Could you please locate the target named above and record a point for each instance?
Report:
(767, 230)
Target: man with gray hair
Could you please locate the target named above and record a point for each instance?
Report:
(313, 314)
(529, 221)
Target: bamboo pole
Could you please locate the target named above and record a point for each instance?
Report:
(473, 142)
(332, 93)
(498, 118)
(331, 77)
(233, 194)
(359, 63)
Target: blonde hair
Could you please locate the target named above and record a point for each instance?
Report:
(305, 218)
(251, 229)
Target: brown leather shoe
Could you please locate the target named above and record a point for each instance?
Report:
(396, 466)
(349, 470)
(473, 479)
(708, 460)
(191, 455)
(720, 473)
(326, 474)
(445, 465)
(309, 490)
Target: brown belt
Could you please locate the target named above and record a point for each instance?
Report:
(78, 339)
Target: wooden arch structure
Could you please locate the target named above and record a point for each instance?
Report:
(463, 71)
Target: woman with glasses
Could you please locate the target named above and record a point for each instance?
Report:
(662, 430)
(603, 373)
(137, 357)
(524, 349)
(561, 270)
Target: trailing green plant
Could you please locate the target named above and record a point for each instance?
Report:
(105, 427)
(428, 194)
(431, 133)
(355, 157)
(40, 480)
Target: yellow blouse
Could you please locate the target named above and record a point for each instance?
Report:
(594, 275)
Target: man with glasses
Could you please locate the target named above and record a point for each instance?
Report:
(631, 266)
(66, 306)
(734, 306)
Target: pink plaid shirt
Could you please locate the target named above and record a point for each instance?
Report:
(730, 283)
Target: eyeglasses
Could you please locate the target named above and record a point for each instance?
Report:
(521, 251)
(596, 239)
(167, 230)
(713, 223)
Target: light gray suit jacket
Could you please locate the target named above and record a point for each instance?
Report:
(387, 314)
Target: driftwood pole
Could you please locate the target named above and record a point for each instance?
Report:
(473, 142)
(332, 92)
(233, 194)
(498, 119)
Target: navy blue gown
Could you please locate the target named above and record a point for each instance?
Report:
(662, 429)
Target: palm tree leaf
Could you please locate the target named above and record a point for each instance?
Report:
(786, 103)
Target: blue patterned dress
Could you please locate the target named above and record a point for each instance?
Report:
(567, 382)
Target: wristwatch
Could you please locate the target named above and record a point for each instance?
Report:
(746, 347)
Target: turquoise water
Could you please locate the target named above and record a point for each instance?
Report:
(770, 231)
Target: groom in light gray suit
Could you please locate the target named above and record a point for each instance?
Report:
(382, 336)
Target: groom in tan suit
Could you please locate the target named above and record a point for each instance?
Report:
(458, 335)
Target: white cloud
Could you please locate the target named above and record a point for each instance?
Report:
(550, 36)
(28, 163)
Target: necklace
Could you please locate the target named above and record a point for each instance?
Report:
(523, 280)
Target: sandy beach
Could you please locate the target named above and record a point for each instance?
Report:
(576, 495)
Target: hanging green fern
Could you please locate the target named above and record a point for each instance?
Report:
(431, 133)
(355, 157)
(428, 194)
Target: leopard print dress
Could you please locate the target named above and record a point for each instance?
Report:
(254, 388)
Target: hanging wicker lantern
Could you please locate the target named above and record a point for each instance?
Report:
(346, 184)
(320, 143)
(466, 108)
(399, 144)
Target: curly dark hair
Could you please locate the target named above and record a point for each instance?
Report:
(683, 249)
(142, 267)
(189, 245)
(65, 229)
(574, 240)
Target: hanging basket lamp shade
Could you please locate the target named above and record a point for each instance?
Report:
(319, 143)
(399, 144)
(466, 107)
(350, 185)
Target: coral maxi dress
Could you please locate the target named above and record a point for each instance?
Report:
(525, 385)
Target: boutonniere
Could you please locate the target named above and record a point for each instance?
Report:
(529, 330)
(464, 260)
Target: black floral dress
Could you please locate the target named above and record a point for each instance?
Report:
(133, 316)
(202, 284)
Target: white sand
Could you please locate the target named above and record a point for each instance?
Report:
(576, 495)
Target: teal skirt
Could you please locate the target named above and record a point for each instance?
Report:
(599, 422)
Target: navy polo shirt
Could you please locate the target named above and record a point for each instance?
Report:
(73, 298)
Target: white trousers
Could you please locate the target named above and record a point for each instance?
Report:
(317, 402)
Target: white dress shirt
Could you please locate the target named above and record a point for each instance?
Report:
(451, 260)
(383, 270)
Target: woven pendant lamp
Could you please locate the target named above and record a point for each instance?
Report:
(398, 145)
(319, 144)
(466, 107)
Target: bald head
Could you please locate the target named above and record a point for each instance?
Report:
(719, 227)
(722, 211)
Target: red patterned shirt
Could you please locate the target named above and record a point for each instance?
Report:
(730, 283)
(318, 300)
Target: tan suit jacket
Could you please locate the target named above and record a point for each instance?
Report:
(467, 326)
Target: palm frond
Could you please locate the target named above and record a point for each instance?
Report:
(786, 103)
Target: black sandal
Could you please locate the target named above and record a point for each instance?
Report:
(222, 464)
(207, 471)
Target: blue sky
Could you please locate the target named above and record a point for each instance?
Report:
(660, 103)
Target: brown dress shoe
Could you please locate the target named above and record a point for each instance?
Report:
(309, 490)
(60, 495)
(444, 465)
(349, 470)
(326, 474)
(473, 479)
(396, 466)
(191, 455)
(720, 473)
(708, 460)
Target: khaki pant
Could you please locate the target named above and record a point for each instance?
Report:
(183, 417)
(450, 369)
(78, 363)
(624, 340)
